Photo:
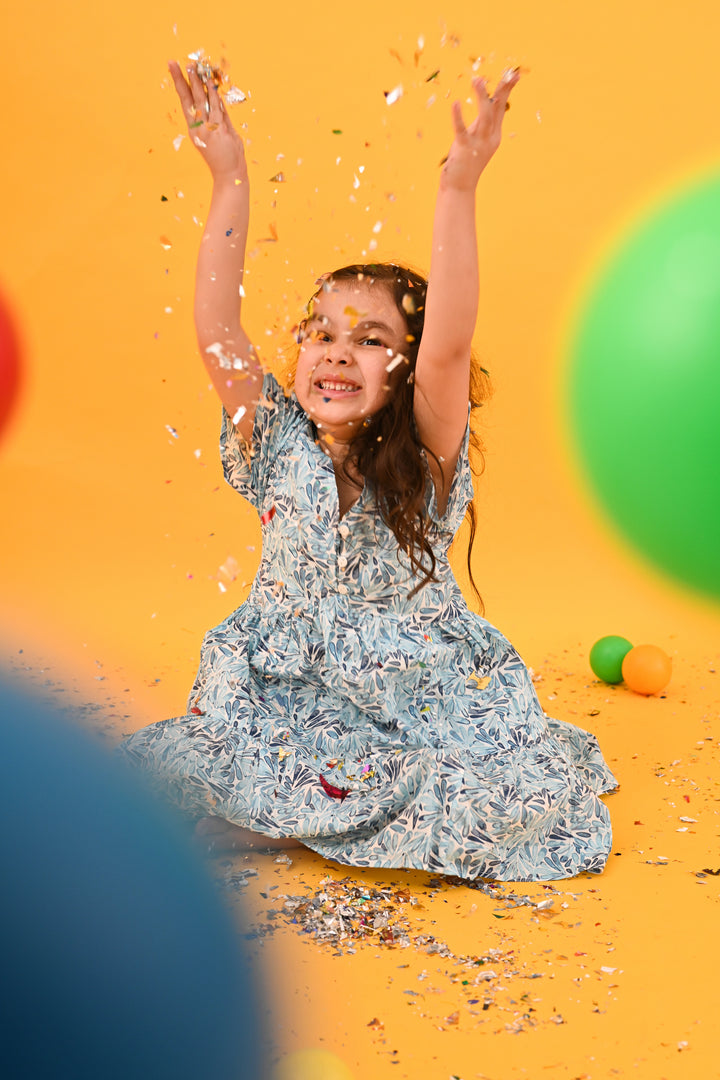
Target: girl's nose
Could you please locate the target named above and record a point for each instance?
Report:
(337, 352)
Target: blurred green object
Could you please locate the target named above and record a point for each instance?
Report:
(644, 387)
(607, 655)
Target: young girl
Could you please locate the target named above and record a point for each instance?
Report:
(353, 703)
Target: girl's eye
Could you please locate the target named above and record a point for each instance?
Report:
(372, 341)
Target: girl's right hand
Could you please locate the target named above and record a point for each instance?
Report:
(209, 125)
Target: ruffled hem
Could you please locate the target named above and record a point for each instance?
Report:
(534, 817)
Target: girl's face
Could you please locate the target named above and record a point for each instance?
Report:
(353, 334)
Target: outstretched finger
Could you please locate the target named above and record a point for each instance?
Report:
(215, 104)
(480, 88)
(457, 119)
(181, 86)
(199, 97)
(504, 88)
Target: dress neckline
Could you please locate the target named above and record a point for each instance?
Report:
(329, 466)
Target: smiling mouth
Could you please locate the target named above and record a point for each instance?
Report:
(333, 386)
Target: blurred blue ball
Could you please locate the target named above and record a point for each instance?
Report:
(119, 958)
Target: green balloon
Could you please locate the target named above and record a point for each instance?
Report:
(644, 387)
(607, 655)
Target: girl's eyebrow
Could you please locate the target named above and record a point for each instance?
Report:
(365, 324)
(373, 324)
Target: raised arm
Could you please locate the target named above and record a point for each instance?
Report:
(224, 346)
(443, 367)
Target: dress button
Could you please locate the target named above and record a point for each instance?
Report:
(342, 589)
(342, 561)
(343, 530)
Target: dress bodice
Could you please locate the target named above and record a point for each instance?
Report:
(310, 554)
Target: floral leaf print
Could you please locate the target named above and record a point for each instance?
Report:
(442, 756)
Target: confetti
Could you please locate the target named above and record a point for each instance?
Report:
(343, 913)
(272, 238)
(334, 792)
(216, 350)
(267, 517)
(205, 68)
(391, 96)
(394, 362)
(239, 414)
(235, 96)
(172, 431)
(177, 141)
(278, 178)
(230, 568)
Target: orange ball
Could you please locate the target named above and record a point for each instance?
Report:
(647, 669)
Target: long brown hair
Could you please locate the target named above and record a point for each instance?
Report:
(387, 451)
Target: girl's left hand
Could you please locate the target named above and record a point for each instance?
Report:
(475, 145)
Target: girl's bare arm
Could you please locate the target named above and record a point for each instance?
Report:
(443, 366)
(226, 350)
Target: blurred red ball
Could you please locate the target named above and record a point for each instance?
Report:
(9, 364)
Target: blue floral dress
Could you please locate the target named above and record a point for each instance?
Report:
(379, 729)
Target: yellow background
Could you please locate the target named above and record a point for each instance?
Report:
(116, 532)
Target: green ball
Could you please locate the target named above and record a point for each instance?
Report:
(643, 392)
(607, 655)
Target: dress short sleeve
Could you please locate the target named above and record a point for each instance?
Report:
(246, 466)
(461, 493)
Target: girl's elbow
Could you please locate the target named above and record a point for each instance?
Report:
(447, 356)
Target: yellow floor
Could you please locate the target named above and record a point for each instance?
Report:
(122, 546)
